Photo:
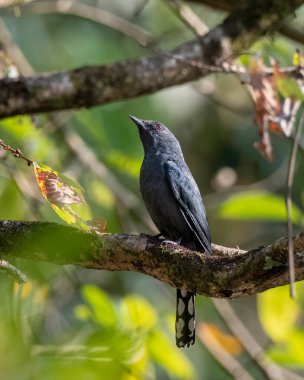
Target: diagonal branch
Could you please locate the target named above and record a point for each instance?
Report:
(89, 86)
(227, 273)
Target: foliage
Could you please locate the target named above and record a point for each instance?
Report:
(259, 206)
(282, 318)
(118, 329)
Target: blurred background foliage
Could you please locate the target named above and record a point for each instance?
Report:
(70, 322)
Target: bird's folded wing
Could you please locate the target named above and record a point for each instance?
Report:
(190, 202)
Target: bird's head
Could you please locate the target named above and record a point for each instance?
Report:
(154, 134)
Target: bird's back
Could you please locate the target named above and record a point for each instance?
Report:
(163, 207)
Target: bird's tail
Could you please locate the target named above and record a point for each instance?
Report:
(185, 318)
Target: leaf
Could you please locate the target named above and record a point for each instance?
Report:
(102, 195)
(124, 163)
(289, 87)
(267, 104)
(297, 58)
(54, 189)
(258, 205)
(62, 193)
(290, 353)
(98, 224)
(215, 335)
(168, 356)
(278, 312)
(82, 312)
(137, 313)
(103, 311)
(277, 100)
(25, 132)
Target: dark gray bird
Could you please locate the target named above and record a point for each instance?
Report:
(175, 205)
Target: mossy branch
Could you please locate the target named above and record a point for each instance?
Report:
(228, 272)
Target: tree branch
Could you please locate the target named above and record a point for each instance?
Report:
(89, 86)
(227, 273)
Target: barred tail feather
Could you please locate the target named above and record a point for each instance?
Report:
(185, 318)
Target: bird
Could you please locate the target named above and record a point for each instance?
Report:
(175, 205)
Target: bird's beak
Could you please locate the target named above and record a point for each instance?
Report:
(138, 122)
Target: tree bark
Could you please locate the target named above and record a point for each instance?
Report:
(95, 85)
(228, 272)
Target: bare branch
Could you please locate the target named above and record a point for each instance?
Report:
(190, 19)
(89, 86)
(233, 274)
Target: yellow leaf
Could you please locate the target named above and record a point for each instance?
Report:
(278, 312)
(163, 350)
(138, 313)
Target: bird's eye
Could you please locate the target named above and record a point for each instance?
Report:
(158, 126)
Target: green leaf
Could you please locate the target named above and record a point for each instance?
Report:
(258, 205)
(167, 355)
(288, 87)
(102, 195)
(137, 313)
(124, 163)
(23, 129)
(82, 312)
(103, 311)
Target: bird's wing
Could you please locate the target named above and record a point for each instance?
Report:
(187, 194)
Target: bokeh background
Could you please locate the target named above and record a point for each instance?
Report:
(70, 322)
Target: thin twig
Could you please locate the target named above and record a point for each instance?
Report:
(139, 9)
(291, 138)
(12, 271)
(16, 152)
(189, 18)
(290, 178)
(13, 51)
(254, 350)
(13, 3)
(95, 14)
(227, 361)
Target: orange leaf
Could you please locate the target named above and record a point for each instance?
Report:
(98, 224)
(215, 336)
(54, 189)
(62, 193)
